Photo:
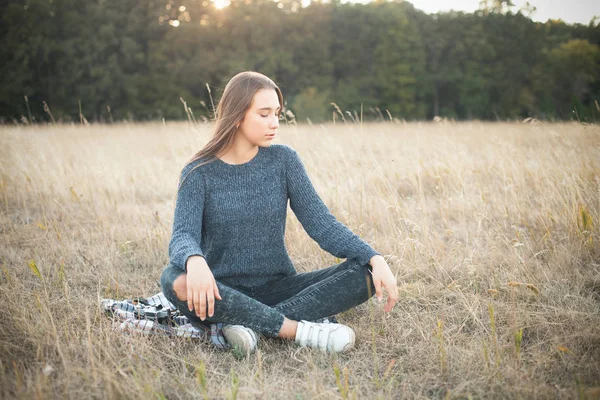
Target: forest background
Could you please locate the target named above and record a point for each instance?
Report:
(109, 60)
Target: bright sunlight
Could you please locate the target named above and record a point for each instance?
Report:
(221, 3)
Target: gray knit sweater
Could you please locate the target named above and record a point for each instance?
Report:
(234, 216)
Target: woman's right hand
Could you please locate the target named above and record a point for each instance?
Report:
(201, 287)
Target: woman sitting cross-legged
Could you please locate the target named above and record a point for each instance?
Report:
(228, 261)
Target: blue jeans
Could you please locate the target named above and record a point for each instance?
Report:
(305, 296)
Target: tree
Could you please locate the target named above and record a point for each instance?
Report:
(573, 66)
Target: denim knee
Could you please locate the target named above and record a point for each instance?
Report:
(366, 271)
(364, 276)
(167, 278)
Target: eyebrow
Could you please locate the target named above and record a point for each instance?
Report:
(268, 108)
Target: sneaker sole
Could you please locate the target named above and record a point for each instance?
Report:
(242, 339)
(350, 345)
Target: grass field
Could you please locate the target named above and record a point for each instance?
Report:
(493, 231)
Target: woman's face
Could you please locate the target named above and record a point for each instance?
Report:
(261, 121)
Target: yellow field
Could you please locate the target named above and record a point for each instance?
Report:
(493, 231)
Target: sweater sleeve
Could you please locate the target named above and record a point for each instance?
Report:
(331, 235)
(187, 222)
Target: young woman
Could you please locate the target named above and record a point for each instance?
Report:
(228, 261)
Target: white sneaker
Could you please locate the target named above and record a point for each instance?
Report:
(328, 337)
(245, 339)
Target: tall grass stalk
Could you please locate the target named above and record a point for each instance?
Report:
(202, 380)
(47, 111)
(494, 334)
(235, 386)
(443, 356)
(212, 103)
(28, 110)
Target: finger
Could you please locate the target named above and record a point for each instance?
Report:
(391, 288)
(190, 298)
(378, 292)
(197, 303)
(390, 304)
(216, 292)
(202, 306)
(392, 291)
(211, 303)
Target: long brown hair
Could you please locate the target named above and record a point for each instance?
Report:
(235, 102)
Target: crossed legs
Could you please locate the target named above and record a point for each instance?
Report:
(288, 326)
(275, 308)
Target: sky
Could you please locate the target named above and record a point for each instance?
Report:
(570, 11)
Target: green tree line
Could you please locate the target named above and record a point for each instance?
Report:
(110, 60)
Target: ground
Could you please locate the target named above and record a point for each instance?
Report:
(492, 230)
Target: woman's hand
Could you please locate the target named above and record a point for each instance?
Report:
(382, 276)
(201, 287)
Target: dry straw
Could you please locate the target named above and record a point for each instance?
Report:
(82, 219)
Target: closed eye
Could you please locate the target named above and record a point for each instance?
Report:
(277, 111)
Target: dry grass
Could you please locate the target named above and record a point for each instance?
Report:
(492, 229)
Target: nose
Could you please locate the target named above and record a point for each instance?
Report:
(275, 122)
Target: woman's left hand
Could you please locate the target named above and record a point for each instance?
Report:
(383, 277)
